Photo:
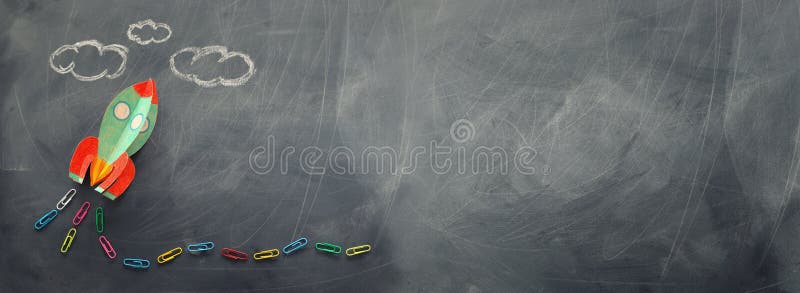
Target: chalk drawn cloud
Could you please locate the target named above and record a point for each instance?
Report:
(155, 26)
(224, 55)
(122, 51)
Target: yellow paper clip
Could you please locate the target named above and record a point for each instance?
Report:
(68, 240)
(266, 254)
(169, 255)
(358, 250)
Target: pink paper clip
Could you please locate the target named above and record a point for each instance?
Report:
(81, 213)
(110, 252)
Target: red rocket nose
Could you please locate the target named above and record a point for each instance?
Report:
(147, 89)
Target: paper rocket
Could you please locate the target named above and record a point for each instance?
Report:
(126, 126)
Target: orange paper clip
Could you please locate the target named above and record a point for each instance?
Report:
(266, 254)
(169, 255)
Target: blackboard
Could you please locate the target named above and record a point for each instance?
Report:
(589, 146)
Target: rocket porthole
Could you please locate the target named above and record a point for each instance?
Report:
(145, 126)
(121, 111)
(137, 121)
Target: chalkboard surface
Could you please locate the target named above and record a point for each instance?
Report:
(477, 146)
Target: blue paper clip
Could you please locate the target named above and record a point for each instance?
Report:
(136, 263)
(44, 220)
(198, 248)
(294, 246)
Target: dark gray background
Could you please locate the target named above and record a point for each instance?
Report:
(670, 130)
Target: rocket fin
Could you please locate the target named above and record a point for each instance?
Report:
(118, 167)
(83, 155)
(123, 181)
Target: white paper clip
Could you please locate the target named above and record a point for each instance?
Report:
(66, 199)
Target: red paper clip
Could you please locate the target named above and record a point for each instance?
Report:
(81, 213)
(110, 252)
(234, 254)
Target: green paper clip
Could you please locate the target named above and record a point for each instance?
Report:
(329, 248)
(99, 221)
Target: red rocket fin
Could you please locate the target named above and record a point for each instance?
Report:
(123, 181)
(84, 153)
(117, 168)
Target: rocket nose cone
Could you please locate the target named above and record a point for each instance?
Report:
(146, 88)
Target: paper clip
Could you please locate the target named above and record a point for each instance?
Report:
(329, 248)
(266, 254)
(99, 221)
(81, 213)
(65, 199)
(294, 246)
(110, 252)
(234, 254)
(68, 240)
(136, 263)
(198, 248)
(45, 219)
(169, 255)
(356, 250)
